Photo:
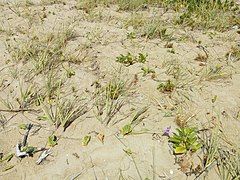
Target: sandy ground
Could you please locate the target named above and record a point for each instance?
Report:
(98, 40)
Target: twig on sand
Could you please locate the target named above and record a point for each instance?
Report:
(17, 110)
(29, 126)
(76, 176)
(21, 154)
(43, 156)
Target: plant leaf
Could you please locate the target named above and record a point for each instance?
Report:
(22, 126)
(196, 147)
(174, 140)
(86, 140)
(52, 141)
(126, 129)
(180, 150)
(8, 158)
(8, 168)
(128, 151)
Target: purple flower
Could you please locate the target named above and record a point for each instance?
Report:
(166, 132)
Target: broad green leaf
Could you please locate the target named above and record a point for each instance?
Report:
(52, 141)
(181, 138)
(180, 131)
(180, 150)
(196, 147)
(86, 140)
(126, 129)
(192, 141)
(174, 140)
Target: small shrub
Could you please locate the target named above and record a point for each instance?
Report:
(185, 140)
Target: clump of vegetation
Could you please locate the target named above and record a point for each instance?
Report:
(215, 72)
(109, 99)
(211, 14)
(234, 54)
(62, 112)
(147, 70)
(129, 59)
(166, 87)
(186, 140)
(45, 53)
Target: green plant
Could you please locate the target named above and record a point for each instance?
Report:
(131, 35)
(147, 70)
(219, 15)
(215, 72)
(63, 111)
(129, 59)
(136, 119)
(44, 52)
(166, 87)
(109, 99)
(186, 140)
(27, 97)
(52, 141)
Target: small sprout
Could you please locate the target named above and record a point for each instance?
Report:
(128, 151)
(52, 141)
(86, 140)
(147, 70)
(171, 50)
(166, 87)
(168, 45)
(127, 60)
(214, 99)
(22, 126)
(127, 129)
(142, 58)
(131, 35)
(70, 73)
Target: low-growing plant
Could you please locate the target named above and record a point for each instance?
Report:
(234, 54)
(137, 118)
(186, 140)
(44, 53)
(131, 35)
(209, 14)
(130, 59)
(166, 87)
(109, 99)
(215, 72)
(147, 70)
(62, 112)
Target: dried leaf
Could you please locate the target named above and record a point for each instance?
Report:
(101, 137)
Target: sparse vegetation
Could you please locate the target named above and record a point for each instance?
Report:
(112, 77)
